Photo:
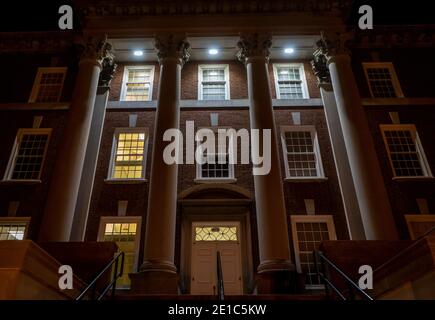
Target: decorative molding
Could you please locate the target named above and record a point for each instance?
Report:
(394, 36)
(30, 42)
(174, 46)
(98, 8)
(108, 68)
(320, 68)
(254, 45)
(95, 48)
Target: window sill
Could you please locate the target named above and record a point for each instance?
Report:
(22, 182)
(125, 181)
(306, 180)
(413, 179)
(223, 180)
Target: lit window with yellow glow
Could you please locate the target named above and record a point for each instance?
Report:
(214, 233)
(128, 160)
(137, 84)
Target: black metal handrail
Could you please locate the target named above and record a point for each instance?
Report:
(111, 285)
(220, 279)
(352, 286)
(408, 248)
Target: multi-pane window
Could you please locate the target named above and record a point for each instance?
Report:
(129, 154)
(405, 151)
(301, 152)
(137, 84)
(48, 85)
(217, 165)
(290, 81)
(13, 228)
(125, 232)
(308, 233)
(382, 80)
(28, 154)
(213, 82)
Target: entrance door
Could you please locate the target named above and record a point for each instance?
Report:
(209, 238)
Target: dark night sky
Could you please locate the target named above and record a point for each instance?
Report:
(42, 15)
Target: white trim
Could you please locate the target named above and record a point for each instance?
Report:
(12, 159)
(294, 219)
(110, 178)
(314, 137)
(301, 68)
(125, 78)
(418, 146)
(226, 69)
(11, 220)
(36, 83)
(394, 78)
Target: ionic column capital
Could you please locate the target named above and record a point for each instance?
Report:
(96, 49)
(254, 45)
(172, 46)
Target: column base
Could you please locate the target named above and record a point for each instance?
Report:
(276, 277)
(154, 282)
(277, 282)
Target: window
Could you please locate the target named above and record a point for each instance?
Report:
(301, 152)
(137, 84)
(308, 232)
(217, 167)
(405, 151)
(214, 82)
(129, 154)
(216, 233)
(290, 81)
(125, 232)
(13, 228)
(48, 85)
(382, 80)
(28, 154)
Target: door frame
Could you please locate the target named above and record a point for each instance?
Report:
(220, 224)
(213, 213)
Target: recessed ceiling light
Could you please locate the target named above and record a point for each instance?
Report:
(213, 51)
(138, 53)
(289, 50)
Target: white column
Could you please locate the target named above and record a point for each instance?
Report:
(370, 188)
(273, 239)
(61, 201)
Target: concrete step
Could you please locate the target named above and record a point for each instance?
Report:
(250, 297)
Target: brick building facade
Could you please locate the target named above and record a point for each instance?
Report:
(406, 102)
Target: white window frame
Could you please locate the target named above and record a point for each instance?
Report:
(36, 83)
(125, 79)
(314, 137)
(231, 170)
(301, 68)
(203, 67)
(418, 146)
(294, 219)
(12, 220)
(127, 219)
(394, 78)
(13, 157)
(113, 154)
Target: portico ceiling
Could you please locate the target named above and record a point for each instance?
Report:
(227, 47)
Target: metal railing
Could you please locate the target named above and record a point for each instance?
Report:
(92, 287)
(353, 288)
(220, 279)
